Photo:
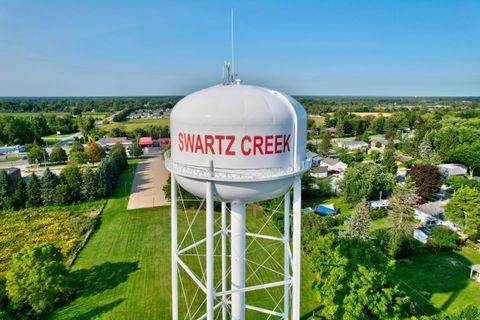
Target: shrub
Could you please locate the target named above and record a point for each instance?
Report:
(443, 238)
(378, 213)
(38, 278)
(58, 154)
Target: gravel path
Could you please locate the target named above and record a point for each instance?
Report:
(150, 177)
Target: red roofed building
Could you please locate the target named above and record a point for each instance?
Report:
(164, 143)
(145, 142)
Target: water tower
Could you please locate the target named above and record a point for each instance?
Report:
(237, 144)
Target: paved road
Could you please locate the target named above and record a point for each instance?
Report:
(149, 180)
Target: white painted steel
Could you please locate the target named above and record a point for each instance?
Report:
(286, 255)
(238, 221)
(224, 260)
(297, 234)
(238, 111)
(174, 239)
(210, 220)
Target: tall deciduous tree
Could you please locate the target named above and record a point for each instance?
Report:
(93, 152)
(358, 224)
(388, 159)
(365, 180)
(468, 155)
(34, 192)
(464, 209)
(37, 154)
(58, 154)
(354, 280)
(426, 177)
(37, 278)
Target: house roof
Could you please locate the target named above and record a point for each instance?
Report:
(453, 169)
(320, 169)
(318, 158)
(113, 140)
(431, 209)
(311, 154)
(145, 141)
(475, 267)
(330, 161)
(383, 140)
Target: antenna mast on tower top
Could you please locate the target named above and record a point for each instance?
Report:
(232, 80)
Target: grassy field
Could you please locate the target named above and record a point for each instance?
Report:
(131, 124)
(65, 227)
(127, 264)
(32, 114)
(440, 282)
(318, 120)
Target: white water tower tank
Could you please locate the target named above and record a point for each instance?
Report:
(238, 144)
(250, 140)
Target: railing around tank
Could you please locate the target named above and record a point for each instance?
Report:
(235, 175)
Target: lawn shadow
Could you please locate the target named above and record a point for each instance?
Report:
(424, 275)
(98, 310)
(89, 282)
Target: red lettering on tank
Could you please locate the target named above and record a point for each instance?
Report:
(286, 142)
(189, 142)
(268, 145)
(219, 139)
(231, 140)
(257, 145)
(199, 145)
(278, 143)
(246, 152)
(209, 141)
(180, 141)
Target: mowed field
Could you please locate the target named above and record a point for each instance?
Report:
(126, 265)
(132, 124)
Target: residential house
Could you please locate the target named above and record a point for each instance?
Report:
(452, 169)
(334, 164)
(352, 145)
(110, 142)
(319, 172)
(380, 143)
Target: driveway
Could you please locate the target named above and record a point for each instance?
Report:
(149, 180)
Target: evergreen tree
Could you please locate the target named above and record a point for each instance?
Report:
(5, 189)
(62, 194)
(388, 160)
(402, 221)
(19, 196)
(358, 225)
(73, 178)
(89, 188)
(325, 144)
(34, 194)
(119, 155)
(135, 150)
(425, 150)
(49, 181)
(340, 130)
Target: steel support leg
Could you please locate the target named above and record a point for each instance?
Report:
(238, 259)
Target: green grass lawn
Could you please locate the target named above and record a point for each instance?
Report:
(9, 159)
(440, 282)
(126, 264)
(132, 124)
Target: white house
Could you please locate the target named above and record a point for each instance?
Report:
(334, 164)
(452, 169)
(429, 213)
(422, 233)
(376, 204)
(316, 160)
(319, 172)
(352, 145)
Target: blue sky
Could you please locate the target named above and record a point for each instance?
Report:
(407, 47)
